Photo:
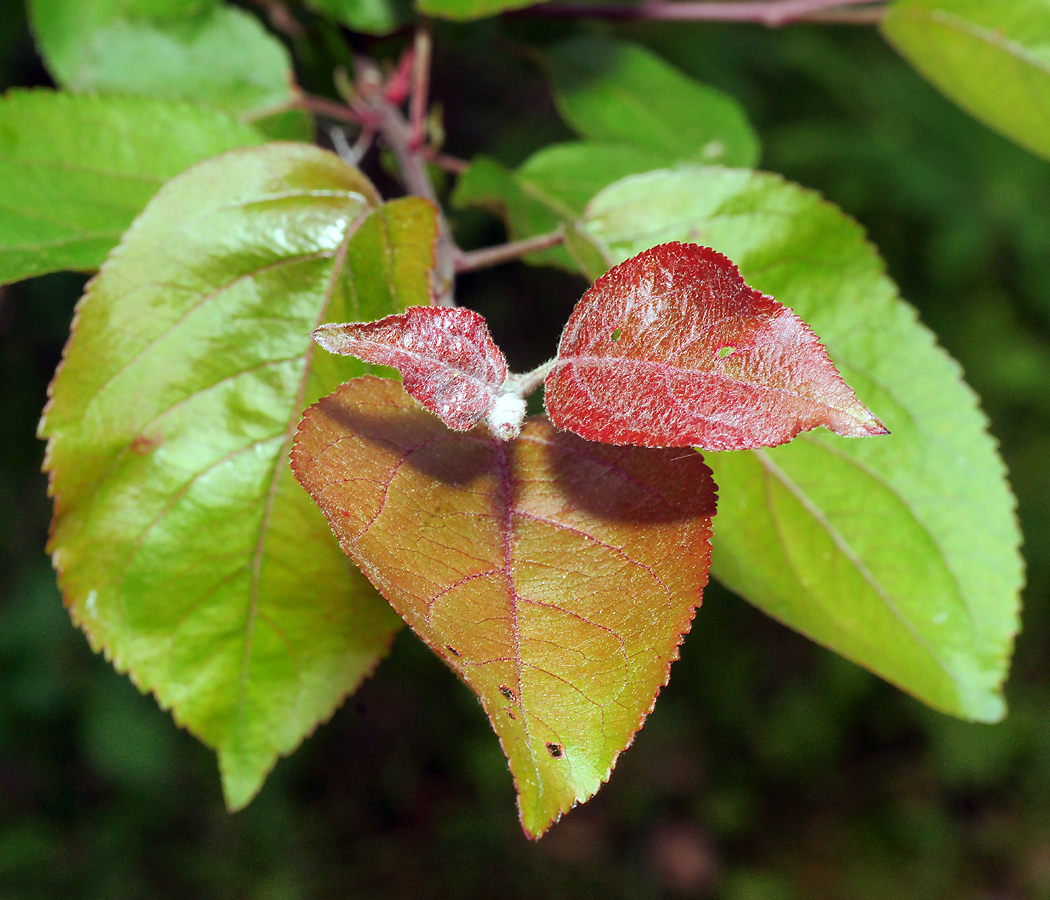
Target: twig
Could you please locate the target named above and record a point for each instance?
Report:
(397, 130)
(417, 99)
(450, 164)
(493, 256)
(351, 155)
(772, 13)
(319, 105)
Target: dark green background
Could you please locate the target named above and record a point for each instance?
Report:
(770, 769)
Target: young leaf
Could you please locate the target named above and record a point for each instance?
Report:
(621, 93)
(446, 357)
(900, 553)
(555, 576)
(672, 349)
(78, 169)
(206, 52)
(186, 550)
(993, 59)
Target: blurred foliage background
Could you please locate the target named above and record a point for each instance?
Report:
(770, 769)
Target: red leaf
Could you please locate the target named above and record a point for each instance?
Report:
(446, 356)
(673, 349)
(554, 575)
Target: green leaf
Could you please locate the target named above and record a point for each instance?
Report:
(186, 550)
(622, 93)
(368, 16)
(78, 169)
(208, 53)
(555, 576)
(992, 58)
(551, 189)
(900, 553)
(463, 10)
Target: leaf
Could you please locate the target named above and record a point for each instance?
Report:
(672, 349)
(369, 16)
(206, 52)
(993, 59)
(621, 93)
(901, 553)
(555, 576)
(551, 190)
(464, 10)
(185, 549)
(77, 170)
(446, 356)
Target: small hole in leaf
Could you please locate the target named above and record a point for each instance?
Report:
(555, 750)
(723, 352)
(452, 650)
(511, 716)
(507, 692)
(617, 333)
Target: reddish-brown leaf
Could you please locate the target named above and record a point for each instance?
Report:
(446, 357)
(673, 349)
(554, 575)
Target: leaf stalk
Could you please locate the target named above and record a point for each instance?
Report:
(771, 13)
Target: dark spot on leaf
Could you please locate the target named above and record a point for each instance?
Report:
(555, 750)
(452, 650)
(617, 332)
(143, 444)
(507, 692)
(723, 352)
(511, 716)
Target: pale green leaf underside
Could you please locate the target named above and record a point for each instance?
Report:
(186, 549)
(992, 58)
(213, 54)
(899, 552)
(618, 92)
(77, 169)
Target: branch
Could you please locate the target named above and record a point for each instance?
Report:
(399, 134)
(772, 13)
(493, 256)
(417, 99)
(319, 106)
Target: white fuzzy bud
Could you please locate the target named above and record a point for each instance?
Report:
(505, 416)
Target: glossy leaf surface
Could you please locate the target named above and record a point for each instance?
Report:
(204, 51)
(992, 58)
(446, 357)
(186, 550)
(900, 553)
(672, 349)
(78, 169)
(622, 93)
(554, 575)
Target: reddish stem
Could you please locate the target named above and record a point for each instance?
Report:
(493, 256)
(417, 101)
(772, 13)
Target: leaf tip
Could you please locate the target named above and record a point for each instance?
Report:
(330, 337)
